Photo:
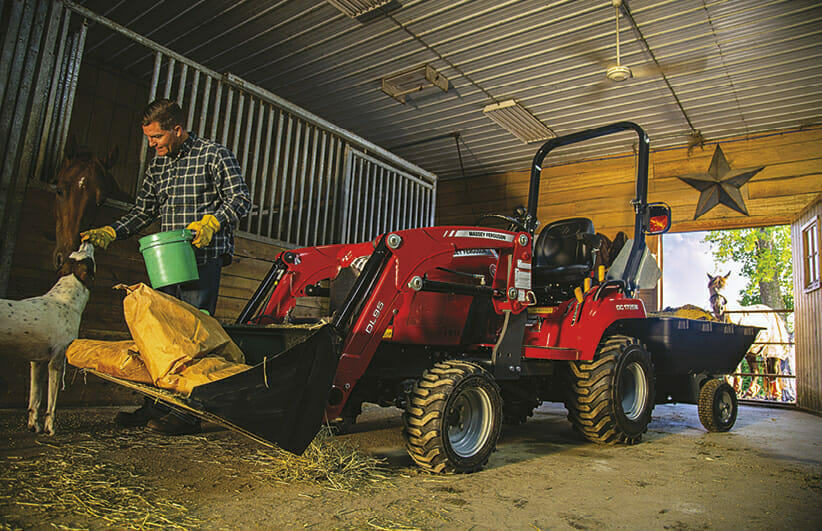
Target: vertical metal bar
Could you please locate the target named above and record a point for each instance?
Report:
(78, 58)
(155, 76)
(155, 81)
(206, 105)
(308, 211)
(294, 169)
(249, 125)
(39, 111)
(320, 174)
(303, 162)
(433, 204)
(275, 170)
(380, 226)
(254, 161)
(373, 204)
(418, 194)
(405, 211)
(227, 120)
(285, 176)
(264, 183)
(13, 30)
(345, 197)
(238, 122)
(218, 100)
(330, 198)
(47, 135)
(169, 77)
(354, 199)
(181, 88)
(192, 101)
(395, 203)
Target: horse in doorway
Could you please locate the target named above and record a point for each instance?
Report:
(771, 343)
(82, 185)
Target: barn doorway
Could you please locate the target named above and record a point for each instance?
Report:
(746, 257)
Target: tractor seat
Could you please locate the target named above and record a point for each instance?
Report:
(565, 251)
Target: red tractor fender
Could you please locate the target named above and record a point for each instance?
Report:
(573, 330)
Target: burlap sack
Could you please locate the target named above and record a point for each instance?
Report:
(201, 371)
(117, 358)
(169, 333)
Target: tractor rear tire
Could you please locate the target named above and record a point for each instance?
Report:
(610, 398)
(717, 405)
(453, 418)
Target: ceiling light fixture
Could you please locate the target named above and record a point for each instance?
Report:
(413, 80)
(513, 117)
(358, 9)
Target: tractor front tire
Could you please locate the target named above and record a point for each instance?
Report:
(717, 405)
(610, 398)
(453, 418)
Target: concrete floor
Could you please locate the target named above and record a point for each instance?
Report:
(766, 473)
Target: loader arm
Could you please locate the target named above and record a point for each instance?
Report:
(399, 268)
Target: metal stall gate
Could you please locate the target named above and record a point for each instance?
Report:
(297, 165)
(39, 64)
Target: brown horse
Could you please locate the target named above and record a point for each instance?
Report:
(82, 185)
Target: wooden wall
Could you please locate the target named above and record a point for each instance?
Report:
(601, 189)
(808, 311)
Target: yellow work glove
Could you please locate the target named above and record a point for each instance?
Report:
(99, 237)
(205, 229)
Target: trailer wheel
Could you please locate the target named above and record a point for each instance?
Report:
(717, 405)
(610, 398)
(453, 418)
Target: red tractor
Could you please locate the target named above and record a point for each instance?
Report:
(465, 328)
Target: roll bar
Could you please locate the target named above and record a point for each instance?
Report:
(640, 202)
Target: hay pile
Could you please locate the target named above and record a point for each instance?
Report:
(328, 461)
(72, 484)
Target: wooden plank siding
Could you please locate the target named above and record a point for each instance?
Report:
(601, 189)
(808, 315)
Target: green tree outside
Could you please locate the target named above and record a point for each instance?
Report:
(767, 265)
(765, 256)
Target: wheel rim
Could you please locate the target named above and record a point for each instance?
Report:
(634, 391)
(469, 422)
(724, 407)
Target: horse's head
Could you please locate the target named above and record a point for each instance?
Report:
(716, 286)
(83, 183)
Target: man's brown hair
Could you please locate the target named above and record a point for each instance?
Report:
(165, 112)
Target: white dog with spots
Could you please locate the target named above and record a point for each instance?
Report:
(40, 330)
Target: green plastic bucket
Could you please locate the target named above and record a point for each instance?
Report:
(169, 257)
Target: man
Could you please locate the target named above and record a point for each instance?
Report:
(192, 183)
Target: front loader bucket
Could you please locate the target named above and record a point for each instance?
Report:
(281, 399)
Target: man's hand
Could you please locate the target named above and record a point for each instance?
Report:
(205, 229)
(99, 237)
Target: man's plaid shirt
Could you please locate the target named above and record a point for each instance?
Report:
(200, 178)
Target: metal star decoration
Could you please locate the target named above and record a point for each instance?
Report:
(720, 185)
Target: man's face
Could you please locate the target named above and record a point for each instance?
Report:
(164, 141)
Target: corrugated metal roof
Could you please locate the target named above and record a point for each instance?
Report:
(736, 66)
